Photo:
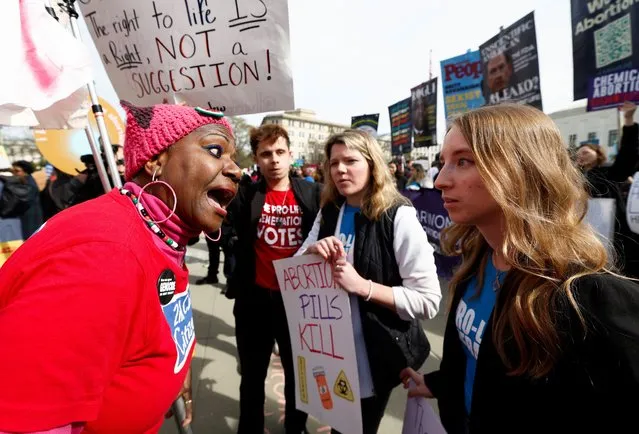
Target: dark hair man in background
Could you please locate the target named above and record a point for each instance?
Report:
(272, 218)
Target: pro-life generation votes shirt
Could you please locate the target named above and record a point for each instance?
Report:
(279, 235)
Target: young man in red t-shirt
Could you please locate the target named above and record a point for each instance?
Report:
(272, 217)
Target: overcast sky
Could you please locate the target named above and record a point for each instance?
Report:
(353, 57)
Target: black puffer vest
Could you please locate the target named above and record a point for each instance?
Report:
(392, 343)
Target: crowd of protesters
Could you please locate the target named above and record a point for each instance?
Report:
(542, 331)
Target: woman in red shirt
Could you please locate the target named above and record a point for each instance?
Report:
(95, 313)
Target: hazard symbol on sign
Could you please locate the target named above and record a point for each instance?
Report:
(342, 387)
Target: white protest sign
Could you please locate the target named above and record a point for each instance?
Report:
(231, 55)
(420, 418)
(632, 207)
(319, 321)
(601, 216)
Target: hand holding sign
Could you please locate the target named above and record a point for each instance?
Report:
(329, 248)
(414, 382)
(349, 279)
(419, 416)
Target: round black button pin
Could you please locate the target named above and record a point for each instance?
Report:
(166, 286)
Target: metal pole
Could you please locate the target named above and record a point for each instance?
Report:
(98, 112)
(95, 150)
(179, 413)
(98, 159)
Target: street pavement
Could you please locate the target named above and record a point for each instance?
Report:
(216, 380)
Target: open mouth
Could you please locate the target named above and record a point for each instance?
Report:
(221, 198)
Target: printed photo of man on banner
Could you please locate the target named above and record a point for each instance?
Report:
(462, 84)
(605, 51)
(400, 120)
(366, 123)
(424, 113)
(510, 65)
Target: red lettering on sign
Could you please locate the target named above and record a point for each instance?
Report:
(463, 69)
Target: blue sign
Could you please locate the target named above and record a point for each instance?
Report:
(461, 81)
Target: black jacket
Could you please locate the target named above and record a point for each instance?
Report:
(602, 180)
(244, 215)
(628, 155)
(401, 181)
(593, 388)
(392, 343)
(605, 182)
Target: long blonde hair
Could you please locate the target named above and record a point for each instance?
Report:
(381, 193)
(419, 175)
(523, 162)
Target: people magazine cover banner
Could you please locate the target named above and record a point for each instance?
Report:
(462, 84)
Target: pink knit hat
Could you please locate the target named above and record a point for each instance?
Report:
(151, 130)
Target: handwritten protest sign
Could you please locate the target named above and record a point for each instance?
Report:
(319, 321)
(232, 56)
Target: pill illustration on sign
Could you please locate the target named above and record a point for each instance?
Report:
(322, 387)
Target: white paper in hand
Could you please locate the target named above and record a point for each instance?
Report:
(420, 418)
(632, 210)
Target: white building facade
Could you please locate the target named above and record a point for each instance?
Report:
(384, 141)
(579, 126)
(307, 133)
